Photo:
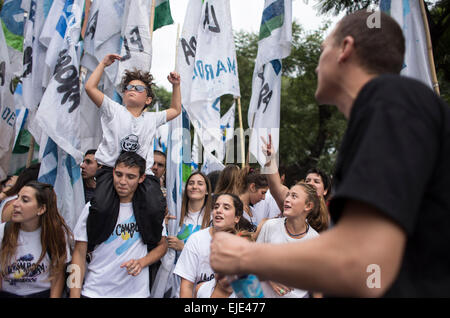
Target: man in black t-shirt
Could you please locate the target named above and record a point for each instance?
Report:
(391, 199)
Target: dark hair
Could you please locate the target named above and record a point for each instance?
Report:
(28, 174)
(144, 77)
(249, 176)
(207, 203)
(132, 159)
(325, 180)
(228, 180)
(160, 153)
(380, 49)
(90, 152)
(213, 176)
(243, 223)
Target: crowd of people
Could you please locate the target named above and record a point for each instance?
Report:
(388, 206)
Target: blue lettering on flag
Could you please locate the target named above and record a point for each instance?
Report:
(220, 67)
(214, 105)
(231, 66)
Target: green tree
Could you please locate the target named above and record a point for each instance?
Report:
(310, 134)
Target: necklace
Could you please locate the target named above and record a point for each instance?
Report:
(295, 235)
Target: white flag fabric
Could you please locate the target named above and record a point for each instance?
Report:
(274, 44)
(59, 169)
(34, 55)
(136, 46)
(211, 163)
(408, 15)
(167, 284)
(7, 109)
(58, 116)
(227, 130)
(207, 65)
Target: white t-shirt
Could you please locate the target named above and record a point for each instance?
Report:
(19, 281)
(206, 290)
(264, 209)
(104, 277)
(273, 231)
(193, 264)
(123, 131)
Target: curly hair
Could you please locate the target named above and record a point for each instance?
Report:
(144, 77)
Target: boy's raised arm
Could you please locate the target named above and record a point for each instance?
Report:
(91, 85)
(175, 106)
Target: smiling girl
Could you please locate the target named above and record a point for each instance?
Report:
(193, 265)
(34, 245)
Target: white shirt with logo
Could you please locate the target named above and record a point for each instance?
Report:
(22, 279)
(193, 264)
(273, 231)
(104, 277)
(124, 132)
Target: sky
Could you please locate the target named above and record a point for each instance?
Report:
(245, 15)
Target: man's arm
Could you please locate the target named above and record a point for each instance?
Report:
(134, 267)
(340, 262)
(175, 106)
(91, 85)
(79, 260)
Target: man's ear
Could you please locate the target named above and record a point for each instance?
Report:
(142, 178)
(347, 48)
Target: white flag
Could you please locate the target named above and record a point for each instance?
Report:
(7, 109)
(408, 15)
(166, 283)
(207, 65)
(136, 46)
(34, 55)
(274, 44)
(58, 114)
(227, 130)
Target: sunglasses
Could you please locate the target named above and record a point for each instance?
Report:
(137, 88)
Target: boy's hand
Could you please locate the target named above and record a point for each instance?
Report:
(110, 58)
(174, 78)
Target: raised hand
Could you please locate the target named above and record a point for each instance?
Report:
(110, 58)
(174, 78)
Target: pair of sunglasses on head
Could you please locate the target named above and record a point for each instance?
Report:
(137, 88)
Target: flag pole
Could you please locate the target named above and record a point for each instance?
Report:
(241, 132)
(251, 131)
(152, 19)
(87, 8)
(176, 46)
(430, 48)
(30, 152)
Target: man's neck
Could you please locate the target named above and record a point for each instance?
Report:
(350, 90)
(90, 182)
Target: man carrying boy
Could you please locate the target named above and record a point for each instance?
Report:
(119, 266)
(128, 128)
